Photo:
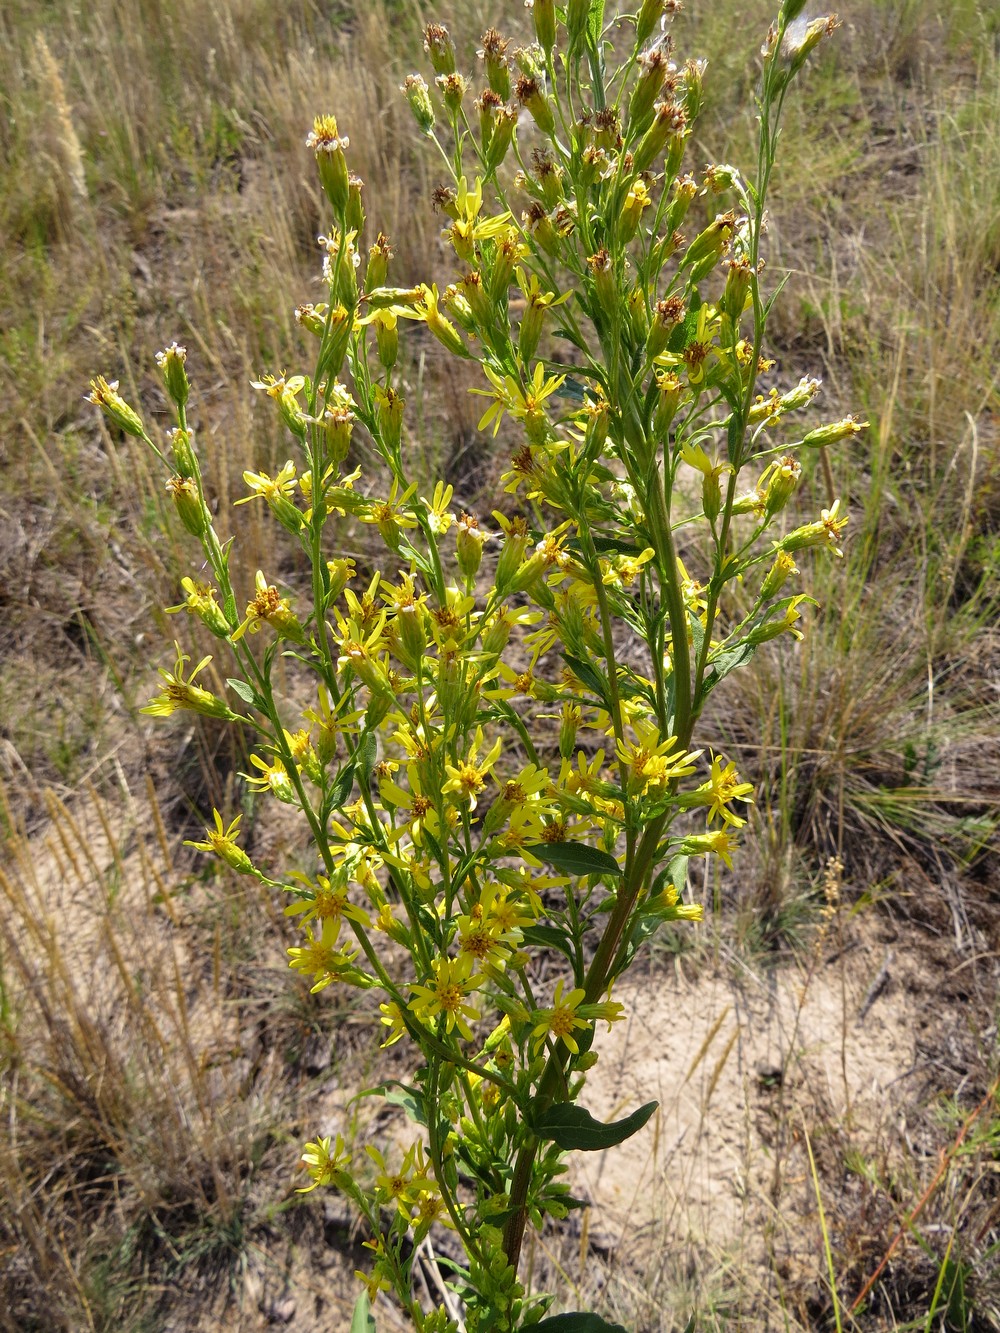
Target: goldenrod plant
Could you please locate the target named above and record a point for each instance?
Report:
(500, 768)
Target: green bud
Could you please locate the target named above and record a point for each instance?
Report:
(530, 95)
(494, 57)
(544, 14)
(355, 217)
(781, 485)
(330, 160)
(440, 48)
(453, 88)
(189, 506)
(777, 575)
(577, 14)
(379, 254)
(420, 102)
(171, 363)
(469, 542)
(182, 452)
(105, 395)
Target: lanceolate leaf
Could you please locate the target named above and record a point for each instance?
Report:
(367, 754)
(575, 858)
(573, 1127)
(342, 787)
(596, 20)
(363, 1321)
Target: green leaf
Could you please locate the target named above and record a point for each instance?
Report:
(573, 1127)
(342, 787)
(410, 1100)
(247, 693)
(595, 20)
(363, 1320)
(675, 871)
(575, 858)
(728, 660)
(548, 937)
(576, 1322)
(366, 755)
(589, 675)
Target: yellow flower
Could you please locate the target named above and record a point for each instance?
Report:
(272, 777)
(418, 806)
(392, 1018)
(327, 1162)
(328, 902)
(560, 1021)
(523, 403)
(724, 785)
(200, 601)
(320, 958)
(651, 762)
(468, 777)
(268, 605)
(466, 230)
(181, 693)
(446, 993)
(222, 842)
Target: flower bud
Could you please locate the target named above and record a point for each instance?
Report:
(469, 542)
(501, 139)
(452, 91)
(387, 337)
(781, 486)
(544, 14)
(330, 160)
(338, 426)
(777, 575)
(379, 254)
(694, 80)
(420, 102)
(182, 452)
(668, 397)
(440, 48)
(493, 56)
(636, 202)
(410, 622)
(171, 362)
(737, 286)
(577, 14)
(189, 505)
(666, 316)
(339, 574)
(652, 73)
(511, 553)
(530, 95)
(312, 317)
(389, 416)
(783, 624)
(709, 245)
(835, 432)
(602, 271)
(338, 336)
(104, 394)
(569, 723)
(799, 45)
(647, 19)
(471, 288)
(355, 217)
(665, 128)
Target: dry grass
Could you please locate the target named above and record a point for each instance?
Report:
(153, 1066)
